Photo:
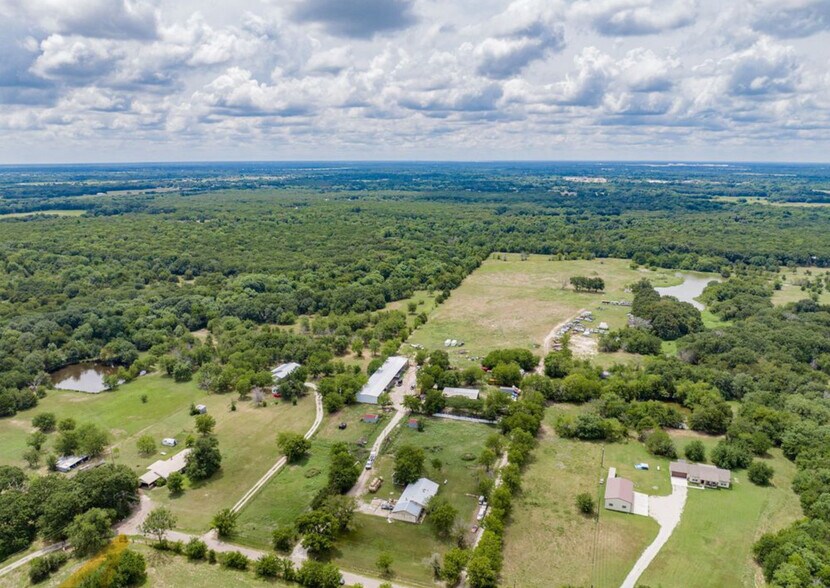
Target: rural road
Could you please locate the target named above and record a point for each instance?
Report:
(666, 510)
(397, 396)
(24, 560)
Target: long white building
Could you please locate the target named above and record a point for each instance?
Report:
(380, 381)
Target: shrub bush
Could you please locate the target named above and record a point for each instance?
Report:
(235, 560)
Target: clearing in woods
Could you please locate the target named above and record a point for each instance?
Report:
(510, 302)
(580, 553)
(247, 436)
(579, 550)
(791, 281)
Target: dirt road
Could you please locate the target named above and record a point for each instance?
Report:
(318, 400)
(397, 395)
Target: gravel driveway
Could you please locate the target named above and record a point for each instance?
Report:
(666, 510)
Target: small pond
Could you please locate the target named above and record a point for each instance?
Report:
(82, 377)
(691, 287)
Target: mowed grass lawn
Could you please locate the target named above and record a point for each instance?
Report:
(121, 413)
(247, 436)
(414, 546)
(548, 543)
(248, 442)
(290, 492)
(517, 303)
(712, 546)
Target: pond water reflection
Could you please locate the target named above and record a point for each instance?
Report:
(82, 377)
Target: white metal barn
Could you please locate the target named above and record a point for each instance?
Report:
(380, 381)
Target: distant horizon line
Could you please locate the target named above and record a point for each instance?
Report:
(679, 162)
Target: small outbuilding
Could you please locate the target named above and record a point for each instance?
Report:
(412, 423)
(169, 442)
(512, 390)
(470, 393)
(283, 370)
(370, 418)
(70, 462)
(201, 409)
(619, 494)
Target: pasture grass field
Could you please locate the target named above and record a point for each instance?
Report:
(578, 550)
(122, 413)
(413, 546)
(712, 545)
(424, 301)
(247, 436)
(768, 202)
(248, 442)
(791, 290)
(516, 303)
(55, 212)
(290, 492)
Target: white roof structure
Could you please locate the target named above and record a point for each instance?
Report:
(380, 380)
(67, 463)
(164, 467)
(416, 496)
(470, 393)
(283, 370)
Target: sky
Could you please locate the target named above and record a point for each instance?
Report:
(208, 80)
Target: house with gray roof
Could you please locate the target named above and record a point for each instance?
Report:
(411, 505)
(701, 474)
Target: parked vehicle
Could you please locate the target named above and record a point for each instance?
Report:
(376, 484)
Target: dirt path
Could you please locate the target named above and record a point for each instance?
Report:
(35, 554)
(130, 526)
(548, 342)
(318, 400)
(666, 510)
